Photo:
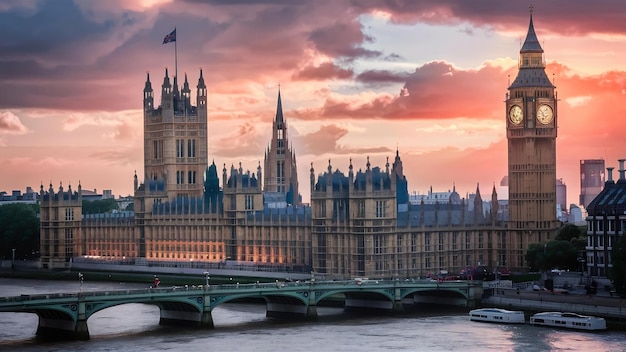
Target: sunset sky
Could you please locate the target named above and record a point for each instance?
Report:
(357, 79)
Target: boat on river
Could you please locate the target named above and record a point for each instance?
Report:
(568, 320)
(497, 315)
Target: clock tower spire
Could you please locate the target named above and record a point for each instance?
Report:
(531, 124)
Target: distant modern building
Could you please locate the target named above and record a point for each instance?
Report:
(435, 197)
(592, 180)
(606, 221)
(561, 194)
(124, 202)
(90, 195)
(16, 196)
(577, 215)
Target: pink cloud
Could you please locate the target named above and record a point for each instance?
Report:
(10, 123)
(323, 71)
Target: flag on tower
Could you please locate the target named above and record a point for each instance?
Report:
(170, 37)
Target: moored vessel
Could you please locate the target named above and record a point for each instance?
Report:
(497, 315)
(568, 320)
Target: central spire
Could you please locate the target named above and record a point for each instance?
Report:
(279, 108)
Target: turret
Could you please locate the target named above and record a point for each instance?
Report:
(224, 177)
(185, 101)
(148, 95)
(494, 205)
(479, 218)
(311, 176)
(201, 93)
(167, 96)
(351, 173)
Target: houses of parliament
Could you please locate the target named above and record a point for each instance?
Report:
(359, 224)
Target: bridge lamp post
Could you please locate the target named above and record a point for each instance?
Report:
(80, 279)
(206, 275)
(581, 260)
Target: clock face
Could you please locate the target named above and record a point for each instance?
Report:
(515, 115)
(544, 114)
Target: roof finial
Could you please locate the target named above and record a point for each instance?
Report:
(531, 7)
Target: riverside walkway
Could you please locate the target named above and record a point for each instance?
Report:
(599, 305)
(65, 315)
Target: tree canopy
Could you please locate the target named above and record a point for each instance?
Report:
(19, 230)
(99, 206)
(618, 260)
(560, 253)
(570, 232)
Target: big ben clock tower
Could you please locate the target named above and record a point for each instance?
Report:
(531, 124)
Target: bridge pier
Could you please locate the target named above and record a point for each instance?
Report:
(311, 312)
(281, 310)
(180, 318)
(55, 325)
(206, 320)
(177, 314)
(61, 329)
(351, 303)
(398, 307)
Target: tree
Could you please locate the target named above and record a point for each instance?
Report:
(535, 257)
(562, 255)
(99, 206)
(551, 255)
(618, 261)
(569, 232)
(19, 230)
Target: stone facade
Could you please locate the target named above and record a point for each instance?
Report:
(60, 226)
(532, 120)
(359, 224)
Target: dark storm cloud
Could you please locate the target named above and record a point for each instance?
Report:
(565, 17)
(324, 71)
(343, 40)
(80, 55)
(381, 76)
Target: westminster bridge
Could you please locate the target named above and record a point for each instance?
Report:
(65, 315)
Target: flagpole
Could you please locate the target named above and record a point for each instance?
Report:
(176, 55)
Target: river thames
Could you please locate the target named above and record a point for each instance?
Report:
(244, 327)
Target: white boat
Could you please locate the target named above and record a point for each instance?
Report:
(568, 320)
(497, 315)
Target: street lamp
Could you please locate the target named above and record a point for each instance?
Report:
(80, 279)
(581, 260)
(206, 274)
(13, 260)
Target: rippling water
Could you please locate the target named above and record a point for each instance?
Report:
(244, 327)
